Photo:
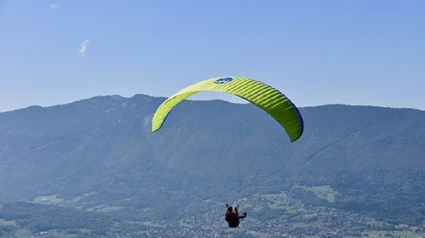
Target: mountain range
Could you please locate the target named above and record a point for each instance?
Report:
(99, 154)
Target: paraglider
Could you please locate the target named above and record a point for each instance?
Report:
(269, 99)
(260, 94)
(232, 217)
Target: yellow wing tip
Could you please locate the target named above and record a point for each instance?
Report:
(155, 126)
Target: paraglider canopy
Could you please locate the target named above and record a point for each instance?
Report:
(272, 101)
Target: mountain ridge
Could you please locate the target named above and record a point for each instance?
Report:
(103, 146)
(162, 98)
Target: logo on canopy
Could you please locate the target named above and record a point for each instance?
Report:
(223, 80)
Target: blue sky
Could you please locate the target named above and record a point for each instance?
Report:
(316, 52)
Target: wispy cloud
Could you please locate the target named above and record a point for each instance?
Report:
(83, 46)
(53, 6)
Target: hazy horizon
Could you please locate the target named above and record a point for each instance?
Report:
(222, 97)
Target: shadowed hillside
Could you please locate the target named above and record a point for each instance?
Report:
(99, 154)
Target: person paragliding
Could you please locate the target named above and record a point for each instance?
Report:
(232, 217)
(264, 96)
